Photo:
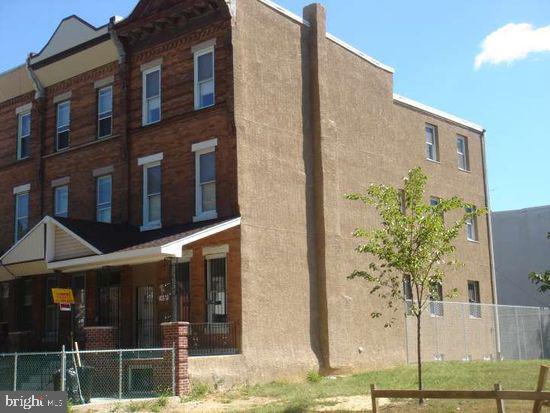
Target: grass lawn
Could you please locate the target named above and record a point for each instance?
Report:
(303, 397)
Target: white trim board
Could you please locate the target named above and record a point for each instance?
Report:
(433, 111)
(359, 53)
(285, 12)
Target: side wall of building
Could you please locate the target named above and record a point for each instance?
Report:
(521, 247)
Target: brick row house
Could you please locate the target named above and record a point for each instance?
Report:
(188, 163)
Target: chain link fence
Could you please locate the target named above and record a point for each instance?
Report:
(92, 375)
(467, 331)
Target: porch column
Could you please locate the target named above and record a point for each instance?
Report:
(175, 335)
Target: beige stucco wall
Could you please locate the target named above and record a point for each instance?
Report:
(269, 105)
(366, 138)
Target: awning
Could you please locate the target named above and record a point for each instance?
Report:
(67, 245)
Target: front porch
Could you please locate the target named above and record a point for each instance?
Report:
(122, 297)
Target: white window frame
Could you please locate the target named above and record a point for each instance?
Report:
(471, 223)
(434, 144)
(463, 156)
(104, 115)
(202, 149)
(18, 195)
(20, 135)
(196, 54)
(57, 212)
(475, 306)
(106, 205)
(150, 225)
(437, 308)
(62, 128)
(144, 106)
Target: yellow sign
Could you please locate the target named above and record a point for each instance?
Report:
(62, 296)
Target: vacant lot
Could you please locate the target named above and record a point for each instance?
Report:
(350, 393)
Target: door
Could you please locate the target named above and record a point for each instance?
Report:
(183, 290)
(216, 290)
(145, 316)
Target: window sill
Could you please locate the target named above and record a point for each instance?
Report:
(144, 125)
(473, 241)
(473, 317)
(465, 170)
(207, 216)
(433, 161)
(197, 108)
(150, 227)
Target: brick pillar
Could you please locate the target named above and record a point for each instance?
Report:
(175, 334)
(101, 338)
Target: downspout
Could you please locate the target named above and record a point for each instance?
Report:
(490, 242)
(124, 79)
(40, 98)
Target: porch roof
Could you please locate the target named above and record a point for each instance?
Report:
(68, 245)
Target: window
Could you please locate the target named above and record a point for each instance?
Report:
(104, 112)
(104, 191)
(108, 293)
(407, 293)
(23, 134)
(205, 171)
(21, 215)
(63, 125)
(436, 298)
(151, 95)
(402, 201)
(471, 225)
(152, 183)
(204, 78)
(432, 150)
(216, 289)
(474, 299)
(61, 201)
(462, 152)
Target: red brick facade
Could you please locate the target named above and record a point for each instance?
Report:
(175, 336)
(101, 338)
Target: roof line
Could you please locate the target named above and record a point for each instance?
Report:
(286, 12)
(360, 53)
(522, 210)
(13, 69)
(433, 111)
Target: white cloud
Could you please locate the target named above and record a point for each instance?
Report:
(513, 42)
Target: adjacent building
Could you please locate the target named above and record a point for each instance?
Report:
(521, 247)
(188, 163)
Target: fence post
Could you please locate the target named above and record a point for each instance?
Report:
(541, 329)
(500, 402)
(373, 398)
(15, 372)
(543, 376)
(173, 369)
(119, 374)
(63, 367)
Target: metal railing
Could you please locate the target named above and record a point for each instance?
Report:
(212, 339)
(92, 375)
(468, 331)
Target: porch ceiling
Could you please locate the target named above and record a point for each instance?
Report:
(66, 245)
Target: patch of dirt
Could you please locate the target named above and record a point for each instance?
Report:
(348, 404)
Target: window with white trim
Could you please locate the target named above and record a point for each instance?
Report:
(104, 185)
(152, 195)
(471, 224)
(151, 111)
(23, 134)
(432, 147)
(21, 214)
(205, 95)
(61, 201)
(205, 180)
(104, 112)
(462, 152)
(63, 125)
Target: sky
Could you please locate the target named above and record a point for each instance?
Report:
(487, 61)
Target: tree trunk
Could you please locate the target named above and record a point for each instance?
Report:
(419, 355)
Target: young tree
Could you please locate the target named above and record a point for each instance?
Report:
(541, 280)
(414, 243)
